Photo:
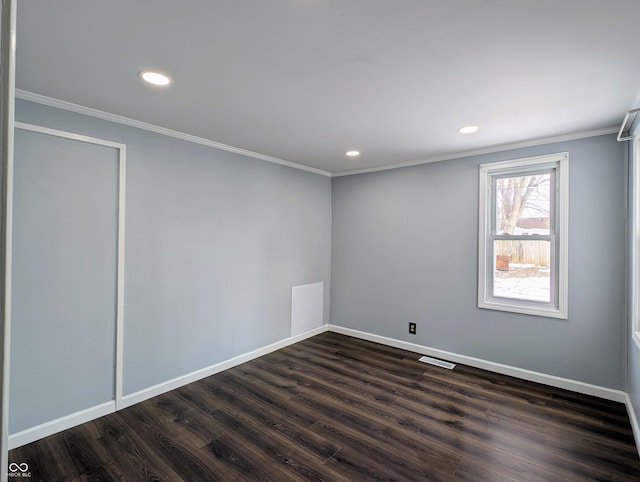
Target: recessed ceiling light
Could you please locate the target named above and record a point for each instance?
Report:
(352, 153)
(468, 129)
(155, 78)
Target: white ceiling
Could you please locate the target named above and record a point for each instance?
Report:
(305, 80)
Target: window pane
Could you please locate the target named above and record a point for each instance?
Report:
(523, 204)
(522, 270)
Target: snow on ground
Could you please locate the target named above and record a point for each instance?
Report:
(523, 281)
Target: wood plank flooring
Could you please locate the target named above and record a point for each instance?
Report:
(336, 408)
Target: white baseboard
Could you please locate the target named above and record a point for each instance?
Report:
(634, 421)
(54, 426)
(58, 425)
(551, 380)
(178, 382)
(83, 416)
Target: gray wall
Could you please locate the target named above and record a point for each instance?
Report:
(63, 307)
(405, 245)
(214, 243)
(216, 240)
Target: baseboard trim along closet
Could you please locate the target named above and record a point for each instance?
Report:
(178, 382)
(59, 424)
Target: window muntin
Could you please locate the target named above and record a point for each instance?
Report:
(522, 260)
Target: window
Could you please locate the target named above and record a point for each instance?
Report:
(523, 235)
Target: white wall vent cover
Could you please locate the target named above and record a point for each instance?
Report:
(306, 307)
(438, 363)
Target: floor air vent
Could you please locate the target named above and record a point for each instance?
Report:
(438, 363)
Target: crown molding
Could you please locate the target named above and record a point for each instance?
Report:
(489, 150)
(80, 109)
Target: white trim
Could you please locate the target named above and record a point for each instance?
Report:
(562, 181)
(483, 217)
(68, 135)
(8, 60)
(122, 183)
(634, 421)
(59, 424)
(488, 150)
(180, 381)
(79, 109)
(523, 310)
(122, 170)
(528, 161)
(54, 426)
(560, 161)
(551, 380)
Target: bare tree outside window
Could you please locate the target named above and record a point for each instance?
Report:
(520, 200)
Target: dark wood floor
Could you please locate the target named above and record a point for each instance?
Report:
(336, 408)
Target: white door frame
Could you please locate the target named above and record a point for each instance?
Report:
(122, 169)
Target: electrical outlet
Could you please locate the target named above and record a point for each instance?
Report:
(412, 328)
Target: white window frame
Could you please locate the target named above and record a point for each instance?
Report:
(558, 307)
(635, 242)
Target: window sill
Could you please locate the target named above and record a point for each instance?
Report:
(526, 310)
